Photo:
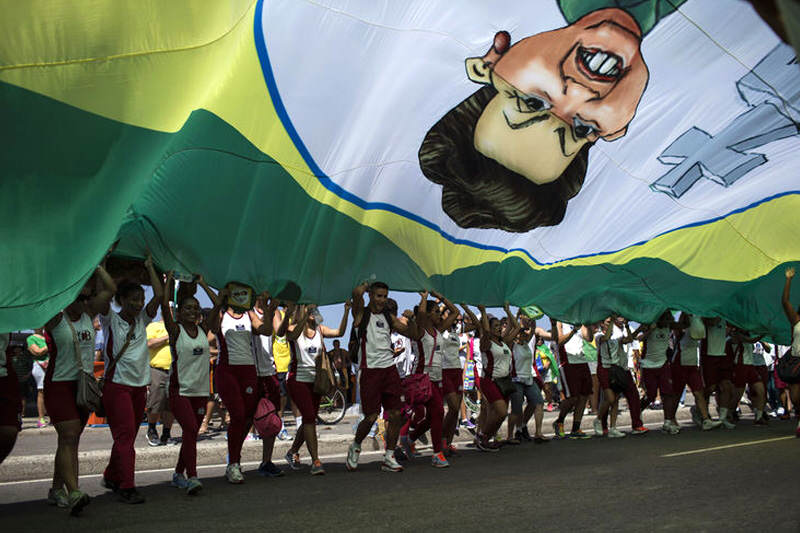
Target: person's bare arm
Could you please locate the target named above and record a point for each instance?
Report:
(476, 324)
(485, 329)
(158, 290)
(264, 326)
(169, 321)
(413, 327)
(513, 326)
(452, 314)
(53, 322)
(329, 333)
(788, 309)
(287, 319)
(214, 319)
(358, 304)
(102, 300)
(295, 330)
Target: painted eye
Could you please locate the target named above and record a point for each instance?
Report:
(534, 103)
(582, 129)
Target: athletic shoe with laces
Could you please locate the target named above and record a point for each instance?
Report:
(400, 455)
(193, 486)
(284, 435)
(761, 422)
(709, 424)
(130, 496)
(485, 446)
(727, 424)
(696, 418)
(233, 473)
(57, 497)
(452, 450)
(353, 452)
(293, 460)
(153, 439)
(525, 434)
(316, 468)
(77, 501)
(408, 446)
(269, 469)
(614, 433)
(598, 428)
(579, 435)
(674, 428)
(438, 460)
(390, 464)
(179, 480)
(41, 423)
(558, 429)
(641, 430)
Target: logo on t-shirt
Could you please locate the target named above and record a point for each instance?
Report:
(249, 390)
(379, 324)
(312, 349)
(85, 335)
(239, 327)
(505, 351)
(197, 351)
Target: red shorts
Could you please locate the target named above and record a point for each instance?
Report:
(602, 377)
(717, 369)
(380, 387)
(491, 391)
(10, 403)
(270, 387)
(452, 381)
(59, 399)
(686, 375)
(303, 397)
(656, 379)
(577, 379)
(745, 375)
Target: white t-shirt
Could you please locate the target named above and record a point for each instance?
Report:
(657, 344)
(574, 346)
(715, 339)
(190, 363)
(404, 361)
(523, 363)
(304, 356)
(630, 349)
(497, 360)
(612, 351)
(796, 340)
(450, 345)
(62, 354)
(477, 356)
(265, 362)
(429, 349)
(236, 343)
(690, 350)
(379, 342)
(747, 353)
(133, 366)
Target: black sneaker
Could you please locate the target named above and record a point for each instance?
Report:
(110, 485)
(131, 496)
(525, 435)
(153, 439)
(423, 439)
(400, 454)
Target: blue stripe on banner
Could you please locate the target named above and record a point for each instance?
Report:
(328, 183)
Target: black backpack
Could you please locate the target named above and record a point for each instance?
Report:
(788, 368)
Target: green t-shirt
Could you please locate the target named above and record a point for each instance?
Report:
(589, 351)
(647, 13)
(40, 343)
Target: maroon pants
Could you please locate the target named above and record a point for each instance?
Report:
(124, 410)
(189, 412)
(631, 394)
(434, 416)
(238, 388)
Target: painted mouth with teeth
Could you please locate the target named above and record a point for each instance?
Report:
(599, 65)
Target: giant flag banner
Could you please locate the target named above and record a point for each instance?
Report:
(583, 156)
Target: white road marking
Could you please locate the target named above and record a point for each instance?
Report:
(725, 447)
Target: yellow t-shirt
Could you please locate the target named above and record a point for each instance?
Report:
(160, 358)
(281, 352)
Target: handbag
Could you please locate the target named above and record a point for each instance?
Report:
(89, 396)
(506, 385)
(417, 389)
(266, 419)
(788, 368)
(324, 384)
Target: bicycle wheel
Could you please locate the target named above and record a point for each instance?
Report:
(331, 408)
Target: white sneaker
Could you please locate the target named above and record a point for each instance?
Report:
(233, 473)
(614, 433)
(674, 428)
(709, 424)
(727, 424)
(666, 427)
(352, 456)
(389, 464)
(598, 427)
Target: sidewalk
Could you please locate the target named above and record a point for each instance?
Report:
(32, 457)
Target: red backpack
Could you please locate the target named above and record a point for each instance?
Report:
(266, 419)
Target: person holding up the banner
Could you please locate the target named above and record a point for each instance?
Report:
(70, 344)
(268, 383)
(306, 342)
(189, 374)
(794, 320)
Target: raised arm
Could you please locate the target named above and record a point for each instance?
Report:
(452, 314)
(513, 326)
(263, 326)
(105, 292)
(358, 303)
(328, 332)
(408, 328)
(476, 324)
(485, 329)
(169, 321)
(295, 330)
(158, 290)
(562, 337)
(791, 312)
(214, 319)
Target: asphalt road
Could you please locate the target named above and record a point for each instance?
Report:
(745, 479)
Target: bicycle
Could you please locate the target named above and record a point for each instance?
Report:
(331, 408)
